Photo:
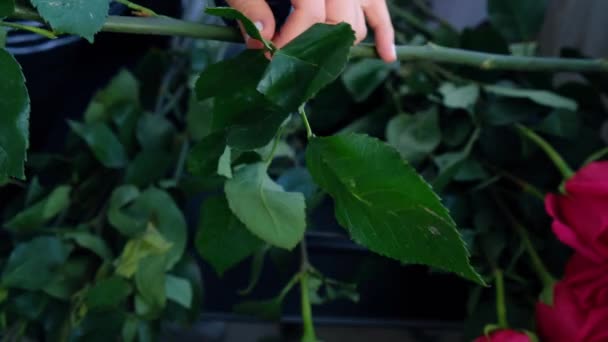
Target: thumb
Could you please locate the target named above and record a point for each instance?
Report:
(260, 13)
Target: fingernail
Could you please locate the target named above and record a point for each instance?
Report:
(394, 51)
(259, 25)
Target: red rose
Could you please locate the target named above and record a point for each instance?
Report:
(505, 335)
(580, 218)
(580, 305)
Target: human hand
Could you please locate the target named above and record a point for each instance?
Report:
(358, 13)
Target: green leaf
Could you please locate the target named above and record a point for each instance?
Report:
(459, 97)
(307, 64)
(363, 77)
(80, 17)
(150, 280)
(470, 170)
(168, 219)
(264, 309)
(7, 7)
(179, 290)
(156, 208)
(282, 150)
(154, 131)
(506, 111)
(414, 136)
(69, 278)
(249, 119)
(275, 216)
(149, 167)
(248, 25)
(189, 269)
(14, 121)
(541, 97)
(150, 243)
(199, 117)
(91, 242)
(248, 67)
(204, 158)
(108, 294)
(129, 329)
(222, 240)
(517, 20)
(385, 205)
(450, 163)
(29, 304)
(3, 34)
(257, 265)
(35, 191)
(561, 123)
(103, 143)
(36, 216)
(32, 265)
(127, 222)
(122, 90)
(224, 166)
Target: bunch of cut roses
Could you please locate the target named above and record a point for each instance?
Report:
(577, 311)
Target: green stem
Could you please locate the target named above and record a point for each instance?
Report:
(596, 156)
(309, 328)
(45, 33)
(302, 111)
(307, 322)
(141, 9)
(430, 52)
(558, 161)
(277, 139)
(537, 263)
(292, 282)
(501, 307)
(181, 162)
(486, 61)
(525, 186)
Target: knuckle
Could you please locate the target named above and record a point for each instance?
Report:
(361, 34)
(317, 15)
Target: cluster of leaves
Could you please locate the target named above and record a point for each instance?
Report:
(100, 249)
(457, 126)
(114, 238)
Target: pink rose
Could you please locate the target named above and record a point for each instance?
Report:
(580, 218)
(580, 305)
(505, 335)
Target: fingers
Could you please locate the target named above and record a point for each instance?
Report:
(305, 14)
(260, 13)
(347, 11)
(379, 19)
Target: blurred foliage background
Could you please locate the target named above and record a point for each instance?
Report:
(126, 156)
